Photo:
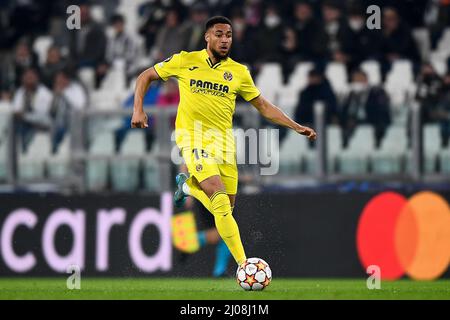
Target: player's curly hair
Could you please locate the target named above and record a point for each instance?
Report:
(215, 20)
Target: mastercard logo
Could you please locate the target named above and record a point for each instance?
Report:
(405, 236)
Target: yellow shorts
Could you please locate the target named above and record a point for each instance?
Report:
(202, 165)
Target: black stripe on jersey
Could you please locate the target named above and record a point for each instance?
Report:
(211, 65)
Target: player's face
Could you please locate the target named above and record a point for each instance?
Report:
(219, 39)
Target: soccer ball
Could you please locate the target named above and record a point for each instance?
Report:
(254, 274)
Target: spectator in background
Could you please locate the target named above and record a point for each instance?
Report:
(5, 101)
(24, 58)
(169, 95)
(31, 105)
(170, 37)
(269, 35)
(194, 28)
(153, 14)
(88, 45)
(365, 104)
(365, 42)
(442, 112)
(396, 41)
(243, 48)
(317, 89)
(68, 96)
(53, 65)
(121, 46)
(310, 42)
(337, 31)
(28, 18)
(428, 92)
(253, 11)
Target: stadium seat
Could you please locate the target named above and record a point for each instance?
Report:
(444, 161)
(97, 169)
(399, 82)
(443, 46)
(270, 80)
(114, 81)
(354, 159)
(299, 77)
(58, 165)
(87, 78)
(125, 172)
(151, 170)
(438, 57)
(5, 120)
(422, 38)
(32, 161)
(292, 151)
(3, 161)
(288, 100)
(130, 10)
(389, 158)
(288, 95)
(336, 73)
(334, 147)
(439, 64)
(103, 100)
(432, 144)
(373, 71)
(41, 46)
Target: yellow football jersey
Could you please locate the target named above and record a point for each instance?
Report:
(207, 98)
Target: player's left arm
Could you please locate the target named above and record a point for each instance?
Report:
(274, 114)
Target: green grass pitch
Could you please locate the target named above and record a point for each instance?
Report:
(222, 289)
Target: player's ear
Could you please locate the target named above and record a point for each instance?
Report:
(207, 36)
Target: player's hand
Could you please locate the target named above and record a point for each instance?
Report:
(308, 132)
(139, 120)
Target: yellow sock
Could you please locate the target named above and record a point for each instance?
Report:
(219, 205)
(226, 225)
(199, 194)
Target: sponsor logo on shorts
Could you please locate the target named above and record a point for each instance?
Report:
(199, 167)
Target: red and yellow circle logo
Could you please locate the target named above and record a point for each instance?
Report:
(405, 236)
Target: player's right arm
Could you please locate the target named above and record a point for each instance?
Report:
(140, 119)
(163, 70)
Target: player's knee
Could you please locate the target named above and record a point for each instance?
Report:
(220, 204)
(212, 185)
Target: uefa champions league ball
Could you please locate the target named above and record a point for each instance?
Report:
(254, 274)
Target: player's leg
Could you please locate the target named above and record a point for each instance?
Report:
(225, 223)
(205, 185)
(210, 236)
(222, 252)
(188, 185)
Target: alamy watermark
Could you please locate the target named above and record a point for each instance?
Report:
(74, 280)
(374, 279)
(73, 21)
(243, 147)
(374, 20)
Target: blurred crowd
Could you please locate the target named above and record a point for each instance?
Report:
(286, 31)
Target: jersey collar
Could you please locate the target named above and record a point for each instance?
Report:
(209, 61)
